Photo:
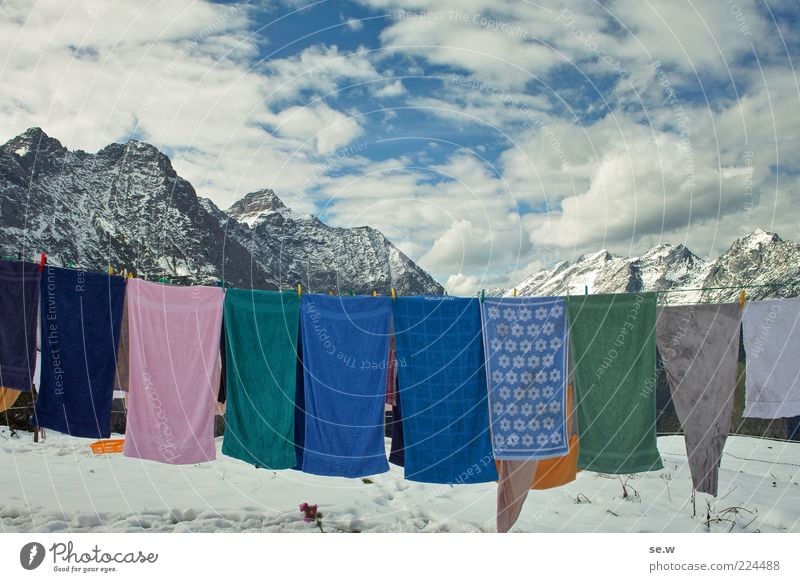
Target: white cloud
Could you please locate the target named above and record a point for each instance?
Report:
(354, 24)
(318, 68)
(327, 128)
(389, 90)
(465, 285)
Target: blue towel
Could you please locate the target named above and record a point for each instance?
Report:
(19, 307)
(345, 351)
(442, 390)
(525, 339)
(80, 322)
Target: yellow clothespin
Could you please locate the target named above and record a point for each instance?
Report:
(374, 293)
(515, 291)
(330, 292)
(742, 297)
(131, 275)
(299, 290)
(394, 294)
(111, 270)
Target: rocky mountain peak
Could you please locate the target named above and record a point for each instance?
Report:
(255, 204)
(599, 256)
(33, 140)
(756, 240)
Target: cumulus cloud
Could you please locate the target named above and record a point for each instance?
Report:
(394, 89)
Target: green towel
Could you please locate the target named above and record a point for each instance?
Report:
(261, 362)
(614, 358)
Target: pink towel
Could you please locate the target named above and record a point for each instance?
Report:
(174, 371)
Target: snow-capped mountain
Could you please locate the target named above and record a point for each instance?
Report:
(761, 263)
(125, 206)
(299, 247)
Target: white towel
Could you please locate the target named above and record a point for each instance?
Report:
(772, 346)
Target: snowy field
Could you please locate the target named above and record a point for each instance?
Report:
(60, 486)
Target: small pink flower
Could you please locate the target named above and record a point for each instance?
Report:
(304, 507)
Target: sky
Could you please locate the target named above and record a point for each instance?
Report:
(487, 139)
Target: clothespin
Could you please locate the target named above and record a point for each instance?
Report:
(394, 294)
(42, 262)
(585, 289)
(742, 297)
(515, 291)
(131, 275)
(483, 295)
(110, 270)
(374, 293)
(351, 292)
(299, 290)
(330, 292)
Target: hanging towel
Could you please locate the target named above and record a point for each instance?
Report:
(396, 455)
(19, 309)
(391, 373)
(8, 396)
(514, 482)
(121, 375)
(222, 392)
(525, 341)
(442, 390)
(299, 403)
(699, 346)
(614, 353)
(174, 374)
(772, 346)
(80, 325)
(516, 478)
(345, 350)
(261, 339)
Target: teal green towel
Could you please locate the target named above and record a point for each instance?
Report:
(614, 357)
(261, 344)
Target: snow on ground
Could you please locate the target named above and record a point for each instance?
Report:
(60, 486)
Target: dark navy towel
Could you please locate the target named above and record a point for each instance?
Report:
(442, 390)
(81, 315)
(345, 352)
(19, 307)
(396, 456)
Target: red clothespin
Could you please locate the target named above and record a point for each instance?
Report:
(42, 262)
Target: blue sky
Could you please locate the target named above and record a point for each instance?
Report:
(487, 139)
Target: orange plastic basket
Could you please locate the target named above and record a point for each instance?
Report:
(107, 446)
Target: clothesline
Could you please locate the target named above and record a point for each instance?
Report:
(111, 271)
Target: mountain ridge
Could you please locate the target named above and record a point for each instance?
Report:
(761, 263)
(126, 206)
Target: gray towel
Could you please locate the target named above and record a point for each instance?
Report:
(699, 345)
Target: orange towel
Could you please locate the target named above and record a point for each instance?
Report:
(8, 396)
(559, 470)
